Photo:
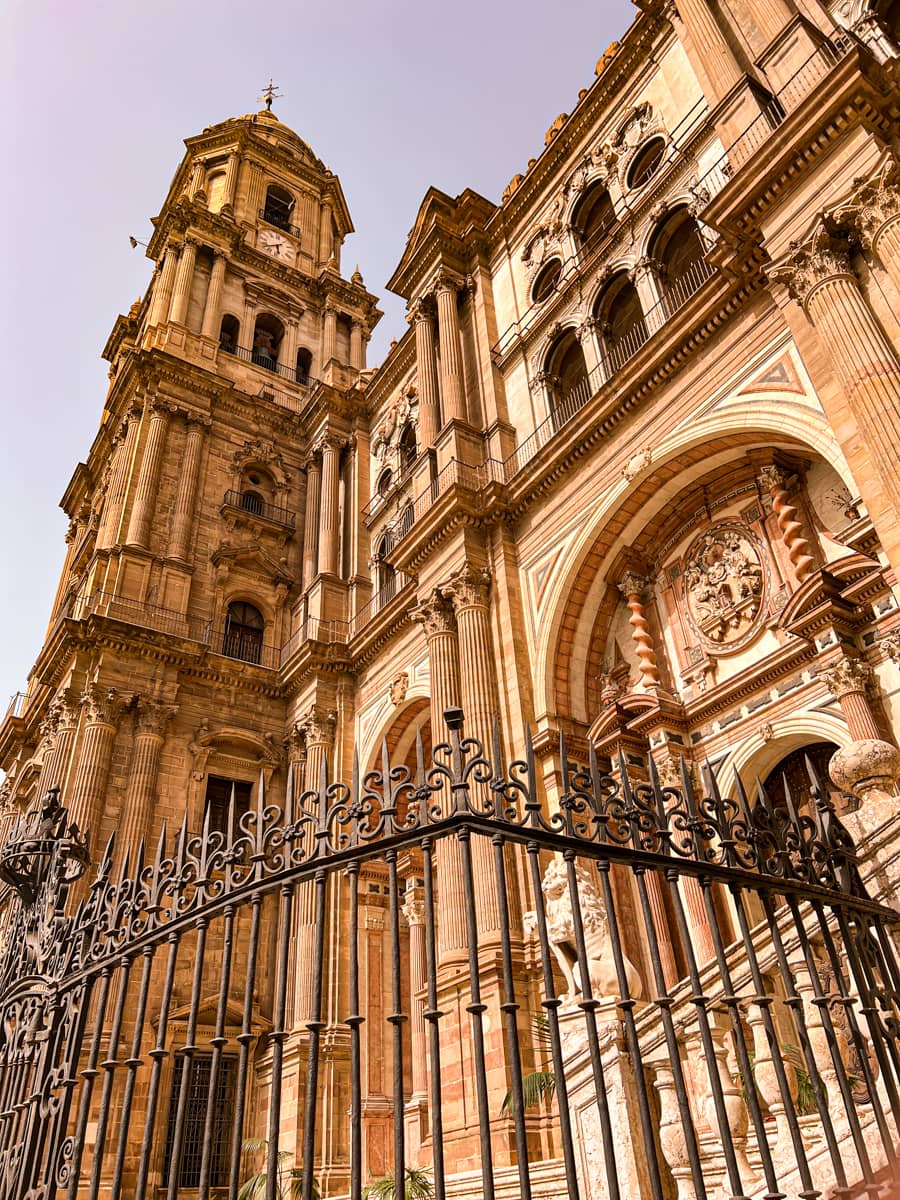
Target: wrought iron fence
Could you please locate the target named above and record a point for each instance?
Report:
(698, 982)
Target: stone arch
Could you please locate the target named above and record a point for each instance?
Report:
(755, 756)
(396, 724)
(725, 433)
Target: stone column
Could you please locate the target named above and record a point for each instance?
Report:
(469, 589)
(414, 911)
(707, 47)
(777, 483)
(162, 292)
(61, 723)
(329, 334)
(453, 392)
(148, 476)
(329, 514)
(101, 711)
(184, 277)
(357, 351)
(137, 813)
(213, 308)
(422, 316)
(634, 588)
(647, 277)
(189, 477)
(287, 351)
(326, 245)
(819, 275)
(316, 728)
(849, 679)
(231, 174)
(436, 617)
(121, 454)
(311, 522)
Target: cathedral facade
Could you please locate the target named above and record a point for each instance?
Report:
(631, 475)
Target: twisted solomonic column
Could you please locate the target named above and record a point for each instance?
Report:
(634, 588)
(776, 480)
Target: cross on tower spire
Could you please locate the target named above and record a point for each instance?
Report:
(269, 93)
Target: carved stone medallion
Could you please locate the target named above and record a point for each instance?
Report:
(724, 586)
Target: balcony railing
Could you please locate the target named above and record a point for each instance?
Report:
(392, 588)
(137, 612)
(314, 629)
(244, 646)
(249, 502)
(788, 98)
(260, 358)
(279, 220)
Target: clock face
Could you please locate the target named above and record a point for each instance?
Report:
(277, 245)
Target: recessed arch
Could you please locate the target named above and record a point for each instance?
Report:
(606, 524)
(593, 215)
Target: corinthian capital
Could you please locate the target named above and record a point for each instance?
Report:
(809, 264)
(152, 716)
(317, 726)
(435, 615)
(469, 587)
(102, 705)
(846, 676)
(876, 203)
(421, 310)
(632, 584)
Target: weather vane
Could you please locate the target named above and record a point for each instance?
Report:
(269, 93)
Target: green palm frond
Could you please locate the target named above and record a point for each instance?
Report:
(417, 1186)
(535, 1087)
(289, 1184)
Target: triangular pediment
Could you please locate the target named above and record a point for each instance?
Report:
(252, 557)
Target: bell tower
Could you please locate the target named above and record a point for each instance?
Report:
(197, 549)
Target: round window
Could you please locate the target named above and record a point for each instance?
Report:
(646, 162)
(546, 282)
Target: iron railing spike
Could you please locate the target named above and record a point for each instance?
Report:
(742, 799)
(420, 757)
(815, 781)
(658, 797)
(763, 797)
(262, 790)
(712, 783)
(498, 764)
(687, 788)
(289, 792)
(623, 775)
(789, 801)
(229, 820)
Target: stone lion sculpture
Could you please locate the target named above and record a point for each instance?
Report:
(561, 933)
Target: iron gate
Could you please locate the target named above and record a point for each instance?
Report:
(651, 992)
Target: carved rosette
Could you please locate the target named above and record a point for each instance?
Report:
(724, 584)
(435, 615)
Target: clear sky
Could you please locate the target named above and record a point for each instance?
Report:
(98, 96)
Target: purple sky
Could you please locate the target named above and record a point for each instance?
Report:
(98, 97)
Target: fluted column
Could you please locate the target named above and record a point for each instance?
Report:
(634, 588)
(184, 277)
(189, 477)
(436, 617)
(231, 174)
(326, 241)
(60, 726)
(453, 393)
(414, 911)
(329, 334)
(820, 276)
(849, 680)
(469, 590)
(213, 307)
(311, 523)
(316, 729)
(776, 481)
(422, 316)
(162, 293)
(101, 710)
(122, 454)
(329, 523)
(151, 720)
(148, 476)
(707, 47)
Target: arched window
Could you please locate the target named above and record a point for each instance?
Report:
(244, 628)
(407, 446)
(304, 365)
(620, 317)
(229, 334)
(677, 245)
(279, 206)
(646, 162)
(594, 215)
(568, 377)
(406, 520)
(385, 482)
(267, 335)
(545, 284)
